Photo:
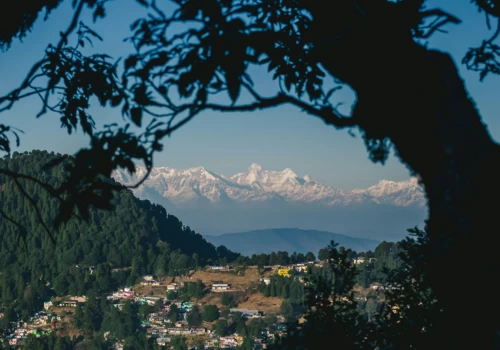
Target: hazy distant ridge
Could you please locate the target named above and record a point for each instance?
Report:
(287, 239)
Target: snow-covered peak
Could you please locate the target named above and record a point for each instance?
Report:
(288, 173)
(307, 178)
(255, 167)
(385, 187)
(402, 193)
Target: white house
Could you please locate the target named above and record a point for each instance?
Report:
(359, 260)
(172, 286)
(376, 287)
(247, 312)
(221, 286)
(219, 267)
(47, 305)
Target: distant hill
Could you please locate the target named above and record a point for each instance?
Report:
(287, 239)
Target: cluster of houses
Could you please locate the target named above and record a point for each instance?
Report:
(231, 341)
(150, 281)
(41, 324)
(362, 260)
(301, 268)
(159, 326)
(156, 324)
(128, 293)
(285, 271)
(380, 287)
(72, 301)
(125, 293)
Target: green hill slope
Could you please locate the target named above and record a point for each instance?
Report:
(135, 234)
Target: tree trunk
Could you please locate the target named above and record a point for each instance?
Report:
(415, 98)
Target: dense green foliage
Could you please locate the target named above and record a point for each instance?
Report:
(191, 290)
(174, 312)
(378, 266)
(194, 317)
(331, 310)
(228, 299)
(284, 287)
(221, 328)
(210, 313)
(406, 319)
(121, 324)
(50, 342)
(279, 258)
(179, 343)
(99, 317)
(137, 236)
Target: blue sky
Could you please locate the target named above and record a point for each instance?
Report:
(228, 143)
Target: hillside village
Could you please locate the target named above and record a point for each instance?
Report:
(168, 314)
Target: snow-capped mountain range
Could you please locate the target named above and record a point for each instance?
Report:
(257, 199)
(182, 188)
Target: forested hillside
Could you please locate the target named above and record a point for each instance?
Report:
(136, 234)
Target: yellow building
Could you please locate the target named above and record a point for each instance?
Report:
(284, 272)
(238, 339)
(395, 309)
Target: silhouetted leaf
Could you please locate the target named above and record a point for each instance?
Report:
(116, 100)
(162, 90)
(53, 162)
(136, 116)
(233, 86)
(131, 61)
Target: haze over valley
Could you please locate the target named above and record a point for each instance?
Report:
(256, 199)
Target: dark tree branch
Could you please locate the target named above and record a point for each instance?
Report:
(326, 113)
(35, 207)
(442, 19)
(51, 190)
(14, 95)
(20, 227)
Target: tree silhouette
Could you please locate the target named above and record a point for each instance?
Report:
(409, 98)
(331, 310)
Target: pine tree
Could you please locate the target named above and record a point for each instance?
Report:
(284, 292)
(78, 317)
(194, 318)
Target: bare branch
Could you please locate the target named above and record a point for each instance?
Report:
(442, 19)
(496, 33)
(441, 13)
